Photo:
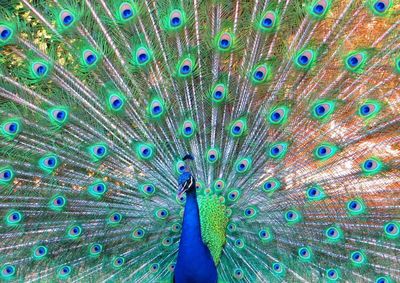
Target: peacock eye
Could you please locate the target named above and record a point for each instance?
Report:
(233, 195)
(175, 19)
(392, 230)
(212, 155)
(325, 151)
(372, 166)
(380, 7)
(6, 176)
(319, 8)
(11, 128)
(144, 151)
(219, 93)
(90, 57)
(5, 34)
(260, 74)
(356, 207)
(321, 109)
(156, 108)
(305, 254)
(118, 261)
(238, 273)
(126, 11)
(58, 115)
(237, 128)
(355, 61)
(278, 115)
(97, 189)
(304, 59)
(58, 203)
(250, 212)
(143, 56)
(95, 249)
(293, 216)
(171, 267)
(138, 233)
(161, 214)
(39, 252)
(8, 271)
(278, 150)
(277, 268)
(265, 235)
(333, 234)
(13, 217)
(369, 109)
(99, 150)
(67, 18)
(180, 167)
(115, 218)
(185, 68)
(315, 193)
(271, 185)
(148, 189)
(382, 279)
(39, 69)
(332, 274)
(243, 165)
(49, 163)
(116, 102)
(64, 271)
(154, 267)
(231, 227)
(239, 243)
(188, 129)
(74, 231)
(176, 227)
(268, 20)
(225, 42)
(358, 258)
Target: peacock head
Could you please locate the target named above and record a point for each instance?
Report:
(186, 180)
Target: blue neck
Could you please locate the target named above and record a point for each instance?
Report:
(191, 230)
(194, 263)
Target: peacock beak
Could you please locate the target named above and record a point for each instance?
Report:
(182, 189)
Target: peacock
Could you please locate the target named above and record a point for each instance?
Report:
(200, 141)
